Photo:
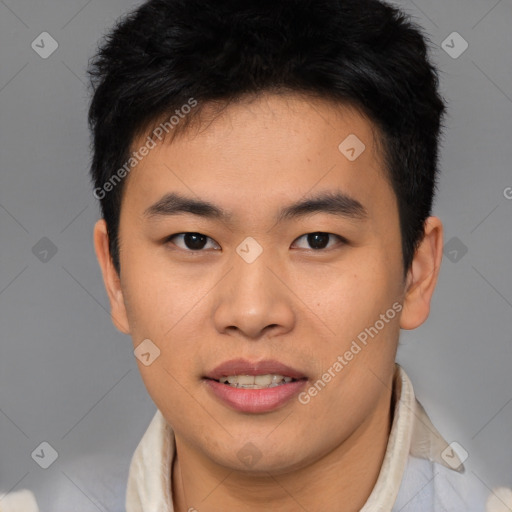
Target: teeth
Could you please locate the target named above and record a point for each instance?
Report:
(266, 380)
(255, 382)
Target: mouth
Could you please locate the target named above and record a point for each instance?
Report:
(255, 387)
(256, 381)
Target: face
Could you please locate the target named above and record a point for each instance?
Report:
(293, 269)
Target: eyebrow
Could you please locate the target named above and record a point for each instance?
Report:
(334, 203)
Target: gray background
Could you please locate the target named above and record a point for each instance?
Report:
(69, 378)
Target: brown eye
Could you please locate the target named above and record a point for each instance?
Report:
(191, 241)
(319, 240)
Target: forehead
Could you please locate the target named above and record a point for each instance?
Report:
(265, 151)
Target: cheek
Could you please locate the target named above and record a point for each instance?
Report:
(362, 310)
(150, 306)
(160, 310)
(168, 309)
(155, 296)
(356, 294)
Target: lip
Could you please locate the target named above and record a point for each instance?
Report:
(244, 367)
(254, 400)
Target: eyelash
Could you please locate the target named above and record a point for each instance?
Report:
(186, 249)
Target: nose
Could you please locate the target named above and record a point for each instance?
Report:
(253, 300)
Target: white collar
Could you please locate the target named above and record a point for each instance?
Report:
(412, 433)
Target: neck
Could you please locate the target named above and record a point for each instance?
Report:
(345, 475)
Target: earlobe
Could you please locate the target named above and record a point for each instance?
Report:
(111, 278)
(422, 276)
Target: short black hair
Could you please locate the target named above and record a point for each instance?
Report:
(365, 53)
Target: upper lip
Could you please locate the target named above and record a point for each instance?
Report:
(245, 367)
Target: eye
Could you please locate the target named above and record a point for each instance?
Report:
(319, 240)
(193, 241)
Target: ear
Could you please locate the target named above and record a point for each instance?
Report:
(422, 276)
(110, 278)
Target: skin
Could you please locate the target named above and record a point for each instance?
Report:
(300, 306)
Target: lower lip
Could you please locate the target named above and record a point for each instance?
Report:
(256, 400)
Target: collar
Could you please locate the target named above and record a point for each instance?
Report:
(412, 433)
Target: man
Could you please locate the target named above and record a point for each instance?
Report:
(266, 173)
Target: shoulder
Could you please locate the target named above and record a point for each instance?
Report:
(427, 485)
(19, 501)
